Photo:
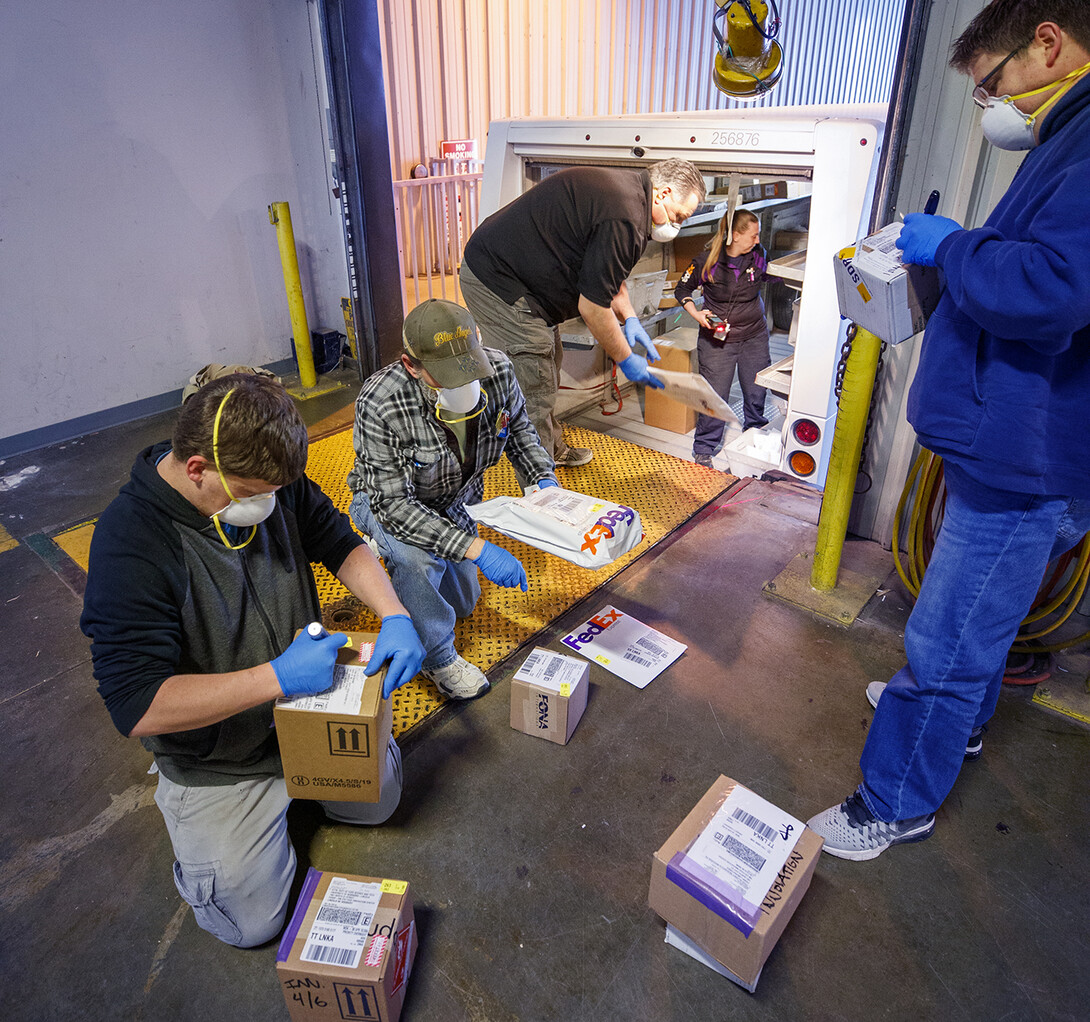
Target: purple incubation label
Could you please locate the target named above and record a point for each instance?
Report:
(310, 885)
(713, 893)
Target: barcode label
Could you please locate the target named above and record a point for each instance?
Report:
(651, 646)
(531, 660)
(331, 955)
(630, 655)
(555, 666)
(739, 851)
(343, 916)
(757, 826)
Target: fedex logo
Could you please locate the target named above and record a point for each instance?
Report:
(595, 626)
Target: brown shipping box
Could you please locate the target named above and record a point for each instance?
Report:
(677, 351)
(333, 745)
(744, 956)
(349, 948)
(549, 695)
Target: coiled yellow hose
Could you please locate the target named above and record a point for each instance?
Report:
(925, 486)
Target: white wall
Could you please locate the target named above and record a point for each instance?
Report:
(141, 146)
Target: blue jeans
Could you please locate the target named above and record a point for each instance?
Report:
(435, 591)
(986, 568)
(717, 364)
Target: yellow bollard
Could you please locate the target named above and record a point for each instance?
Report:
(280, 218)
(851, 427)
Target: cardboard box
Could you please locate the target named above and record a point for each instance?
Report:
(349, 948)
(767, 190)
(742, 955)
(689, 246)
(678, 354)
(549, 695)
(333, 745)
(880, 293)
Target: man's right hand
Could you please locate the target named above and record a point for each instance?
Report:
(306, 666)
(501, 567)
(635, 368)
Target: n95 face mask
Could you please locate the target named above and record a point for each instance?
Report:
(460, 399)
(246, 511)
(664, 232)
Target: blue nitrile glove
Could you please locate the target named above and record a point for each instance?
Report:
(542, 483)
(501, 567)
(397, 642)
(306, 666)
(635, 368)
(635, 334)
(921, 235)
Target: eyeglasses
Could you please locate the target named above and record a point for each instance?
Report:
(980, 94)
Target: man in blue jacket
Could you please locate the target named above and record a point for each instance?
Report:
(199, 577)
(1002, 393)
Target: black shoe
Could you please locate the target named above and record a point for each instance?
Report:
(704, 460)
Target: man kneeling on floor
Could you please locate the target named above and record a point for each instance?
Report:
(426, 429)
(199, 577)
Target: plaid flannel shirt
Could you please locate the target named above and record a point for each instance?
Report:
(407, 466)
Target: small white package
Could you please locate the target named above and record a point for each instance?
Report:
(585, 530)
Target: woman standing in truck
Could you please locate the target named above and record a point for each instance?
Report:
(733, 332)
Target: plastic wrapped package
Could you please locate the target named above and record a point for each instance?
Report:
(585, 530)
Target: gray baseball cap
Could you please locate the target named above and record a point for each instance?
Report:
(442, 336)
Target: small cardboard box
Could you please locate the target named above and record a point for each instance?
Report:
(333, 745)
(677, 351)
(743, 956)
(549, 695)
(349, 948)
(878, 292)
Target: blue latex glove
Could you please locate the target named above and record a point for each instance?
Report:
(399, 644)
(921, 235)
(306, 666)
(635, 334)
(635, 368)
(498, 566)
(542, 483)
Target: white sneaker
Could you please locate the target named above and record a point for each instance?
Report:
(459, 679)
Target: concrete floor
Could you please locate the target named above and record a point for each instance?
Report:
(529, 862)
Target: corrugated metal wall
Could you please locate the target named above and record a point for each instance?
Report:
(454, 65)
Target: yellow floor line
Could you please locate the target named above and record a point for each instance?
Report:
(76, 542)
(6, 540)
(665, 490)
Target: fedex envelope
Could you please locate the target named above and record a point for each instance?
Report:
(624, 646)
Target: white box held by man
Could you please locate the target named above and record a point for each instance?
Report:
(878, 292)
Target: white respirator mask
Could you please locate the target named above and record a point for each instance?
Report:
(664, 232)
(460, 399)
(246, 511)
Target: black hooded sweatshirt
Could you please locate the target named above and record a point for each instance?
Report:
(165, 596)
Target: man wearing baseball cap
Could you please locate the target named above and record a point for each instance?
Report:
(426, 428)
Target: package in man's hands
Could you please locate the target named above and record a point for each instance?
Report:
(585, 530)
(693, 390)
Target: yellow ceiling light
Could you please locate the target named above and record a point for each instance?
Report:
(748, 60)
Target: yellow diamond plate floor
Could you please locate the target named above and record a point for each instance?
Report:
(665, 490)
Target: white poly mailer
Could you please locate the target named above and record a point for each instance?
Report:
(587, 531)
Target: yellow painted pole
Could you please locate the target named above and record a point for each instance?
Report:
(851, 426)
(280, 218)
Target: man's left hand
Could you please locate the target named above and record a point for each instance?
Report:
(921, 235)
(635, 368)
(398, 643)
(635, 334)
